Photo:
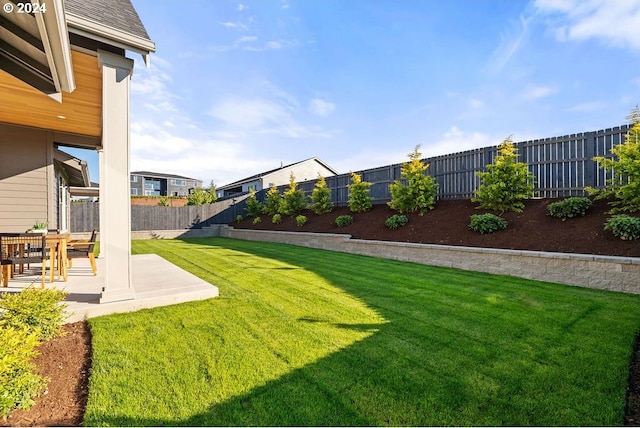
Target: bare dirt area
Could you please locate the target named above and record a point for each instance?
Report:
(67, 360)
(448, 224)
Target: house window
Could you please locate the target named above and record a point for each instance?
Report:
(175, 194)
(134, 192)
(178, 182)
(152, 193)
(252, 186)
(150, 184)
(134, 178)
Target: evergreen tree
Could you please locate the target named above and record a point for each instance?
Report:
(419, 194)
(359, 199)
(321, 197)
(272, 201)
(506, 183)
(253, 206)
(293, 199)
(625, 184)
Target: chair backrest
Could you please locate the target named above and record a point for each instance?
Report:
(23, 247)
(93, 240)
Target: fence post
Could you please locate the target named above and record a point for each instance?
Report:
(589, 163)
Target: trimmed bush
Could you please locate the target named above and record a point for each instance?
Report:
(487, 223)
(257, 220)
(276, 219)
(344, 220)
(35, 309)
(19, 383)
(569, 208)
(239, 218)
(396, 221)
(301, 220)
(624, 227)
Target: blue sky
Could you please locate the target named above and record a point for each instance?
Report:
(239, 87)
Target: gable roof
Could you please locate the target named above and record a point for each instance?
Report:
(265, 173)
(114, 22)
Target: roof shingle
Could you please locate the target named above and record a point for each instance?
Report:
(118, 14)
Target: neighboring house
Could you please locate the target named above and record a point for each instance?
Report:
(65, 81)
(307, 169)
(145, 183)
(70, 172)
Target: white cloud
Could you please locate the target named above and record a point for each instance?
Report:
(234, 25)
(321, 107)
(587, 107)
(476, 103)
(456, 140)
(613, 22)
(242, 7)
(534, 92)
(510, 43)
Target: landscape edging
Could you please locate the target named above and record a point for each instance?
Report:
(583, 270)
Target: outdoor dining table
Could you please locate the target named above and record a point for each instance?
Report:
(57, 245)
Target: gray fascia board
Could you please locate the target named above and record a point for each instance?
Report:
(102, 33)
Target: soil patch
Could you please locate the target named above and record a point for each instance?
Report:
(448, 224)
(66, 361)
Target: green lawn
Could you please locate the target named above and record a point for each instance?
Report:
(308, 337)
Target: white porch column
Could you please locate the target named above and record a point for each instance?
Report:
(115, 193)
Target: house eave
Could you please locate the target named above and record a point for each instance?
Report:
(92, 30)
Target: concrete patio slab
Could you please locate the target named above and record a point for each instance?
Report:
(156, 282)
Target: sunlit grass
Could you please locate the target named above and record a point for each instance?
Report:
(308, 337)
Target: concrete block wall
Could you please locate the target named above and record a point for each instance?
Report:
(601, 272)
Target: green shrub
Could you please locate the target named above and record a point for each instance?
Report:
(359, 199)
(301, 220)
(568, 208)
(625, 164)
(163, 201)
(19, 383)
(321, 197)
(272, 201)
(35, 309)
(344, 220)
(419, 194)
(506, 183)
(253, 206)
(201, 196)
(396, 221)
(487, 223)
(257, 220)
(276, 219)
(624, 227)
(239, 218)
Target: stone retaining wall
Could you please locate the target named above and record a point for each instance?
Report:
(602, 272)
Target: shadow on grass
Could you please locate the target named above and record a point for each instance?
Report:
(476, 349)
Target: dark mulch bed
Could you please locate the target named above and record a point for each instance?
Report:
(67, 360)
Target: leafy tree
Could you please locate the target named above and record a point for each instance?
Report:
(212, 191)
(200, 196)
(506, 183)
(272, 201)
(359, 199)
(321, 197)
(293, 199)
(253, 206)
(625, 184)
(163, 201)
(419, 194)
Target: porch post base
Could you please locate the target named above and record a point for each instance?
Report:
(109, 296)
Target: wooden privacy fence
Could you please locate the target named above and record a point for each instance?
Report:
(562, 167)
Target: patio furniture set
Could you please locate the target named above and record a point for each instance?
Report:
(18, 251)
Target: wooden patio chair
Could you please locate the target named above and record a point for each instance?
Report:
(18, 249)
(83, 249)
